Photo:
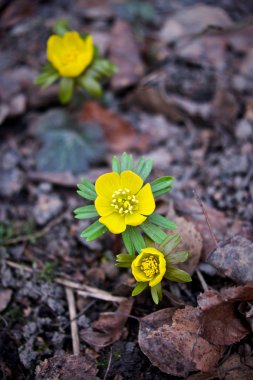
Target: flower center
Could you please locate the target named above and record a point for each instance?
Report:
(69, 56)
(124, 202)
(149, 266)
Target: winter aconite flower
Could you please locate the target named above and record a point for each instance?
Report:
(123, 200)
(153, 264)
(70, 54)
(75, 63)
(149, 266)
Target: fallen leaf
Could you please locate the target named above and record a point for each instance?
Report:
(125, 55)
(109, 327)
(67, 367)
(170, 339)
(119, 132)
(234, 259)
(219, 317)
(191, 242)
(192, 20)
(5, 297)
(236, 368)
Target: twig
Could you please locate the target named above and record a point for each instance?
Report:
(73, 322)
(202, 280)
(109, 365)
(37, 234)
(101, 295)
(82, 289)
(197, 197)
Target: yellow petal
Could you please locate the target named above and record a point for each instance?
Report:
(146, 200)
(114, 222)
(153, 251)
(54, 49)
(106, 184)
(103, 206)
(138, 274)
(131, 180)
(135, 219)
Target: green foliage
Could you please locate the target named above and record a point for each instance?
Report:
(161, 185)
(90, 80)
(144, 168)
(47, 76)
(61, 26)
(169, 243)
(94, 231)
(156, 293)
(66, 89)
(87, 190)
(153, 232)
(124, 260)
(136, 238)
(161, 221)
(86, 212)
(177, 275)
(128, 242)
(139, 287)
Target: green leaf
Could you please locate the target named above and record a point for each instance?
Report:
(177, 257)
(140, 165)
(126, 236)
(103, 68)
(177, 275)
(156, 292)
(61, 26)
(116, 165)
(94, 231)
(91, 85)
(144, 168)
(87, 190)
(170, 243)
(139, 288)
(137, 238)
(153, 232)
(86, 212)
(124, 260)
(46, 79)
(161, 221)
(161, 185)
(126, 162)
(66, 89)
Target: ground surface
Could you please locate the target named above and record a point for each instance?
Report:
(183, 97)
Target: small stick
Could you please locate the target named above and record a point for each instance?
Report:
(82, 289)
(73, 322)
(36, 234)
(202, 280)
(197, 197)
(109, 365)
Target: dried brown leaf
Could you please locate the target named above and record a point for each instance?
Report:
(175, 334)
(119, 132)
(236, 368)
(234, 259)
(221, 323)
(109, 327)
(67, 367)
(125, 55)
(191, 242)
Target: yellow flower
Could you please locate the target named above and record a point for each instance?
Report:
(122, 200)
(70, 54)
(149, 266)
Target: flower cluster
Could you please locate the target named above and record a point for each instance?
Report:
(123, 204)
(75, 60)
